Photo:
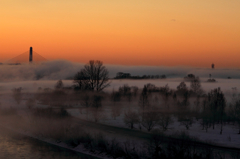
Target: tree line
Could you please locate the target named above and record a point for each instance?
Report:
(122, 75)
(156, 105)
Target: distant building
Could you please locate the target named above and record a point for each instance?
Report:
(27, 57)
(213, 66)
(30, 55)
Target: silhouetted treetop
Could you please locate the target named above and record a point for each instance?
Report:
(122, 75)
(189, 77)
(94, 76)
(59, 84)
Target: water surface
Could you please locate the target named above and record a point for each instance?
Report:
(15, 146)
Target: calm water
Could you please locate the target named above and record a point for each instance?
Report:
(14, 146)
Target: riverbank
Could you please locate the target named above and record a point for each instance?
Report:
(31, 146)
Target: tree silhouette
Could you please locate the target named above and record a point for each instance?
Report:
(164, 121)
(150, 118)
(196, 86)
(131, 118)
(144, 101)
(59, 84)
(216, 105)
(17, 94)
(182, 87)
(236, 113)
(93, 76)
(81, 81)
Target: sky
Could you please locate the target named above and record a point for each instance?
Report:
(127, 32)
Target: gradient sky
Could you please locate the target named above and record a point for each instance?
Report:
(127, 32)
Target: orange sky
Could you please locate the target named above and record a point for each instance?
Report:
(126, 32)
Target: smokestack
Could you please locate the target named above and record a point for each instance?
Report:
(30, 55)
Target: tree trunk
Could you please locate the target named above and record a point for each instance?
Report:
(221, 127)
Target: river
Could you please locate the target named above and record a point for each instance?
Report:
(15, 146)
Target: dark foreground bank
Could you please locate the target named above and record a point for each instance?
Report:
(13, 145)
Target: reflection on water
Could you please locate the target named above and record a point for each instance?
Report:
(14, 146)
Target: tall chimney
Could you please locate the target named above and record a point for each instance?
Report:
(30, 55)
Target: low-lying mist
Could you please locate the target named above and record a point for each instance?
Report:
(61, 69)
(108, 121)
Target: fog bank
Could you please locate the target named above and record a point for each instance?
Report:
(61, 69)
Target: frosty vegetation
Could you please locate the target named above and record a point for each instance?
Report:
(149, 111)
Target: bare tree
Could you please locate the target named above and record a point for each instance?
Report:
(186, 120)
(134, 90)
(215, 105)
(115, 109)
(164, 121)
(144, 101)
(182, 88)
(96, 105)
(86, 102)
(206, 116)
(59, 84)
(96, 75)
(115, 96)
(165, 93)
(81, 81)
(131, 118)
(17, 94)
(97, 101)
(196, 85)
(150, 118)
(236, 113)
(125, 90)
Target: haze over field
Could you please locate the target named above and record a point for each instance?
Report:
(53, 111)
(61, 69)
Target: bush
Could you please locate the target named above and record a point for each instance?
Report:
(164, 121)
(131, 118)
